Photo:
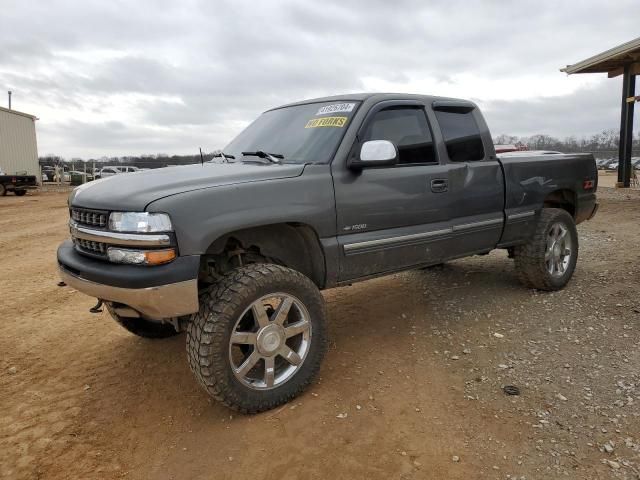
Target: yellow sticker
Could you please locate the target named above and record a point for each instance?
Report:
(327, 122)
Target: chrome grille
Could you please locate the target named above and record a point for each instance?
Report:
(95, 248)
(91, 218)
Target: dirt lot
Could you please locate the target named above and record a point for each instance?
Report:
(417, 363)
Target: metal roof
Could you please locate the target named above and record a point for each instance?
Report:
(612, 61)
(16, 112)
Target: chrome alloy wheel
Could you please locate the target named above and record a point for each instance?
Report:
(270, 340)
(559, 248)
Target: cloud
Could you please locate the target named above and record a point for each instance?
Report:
(587, 110)
(118, 78)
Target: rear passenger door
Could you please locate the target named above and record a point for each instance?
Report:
(476, 179)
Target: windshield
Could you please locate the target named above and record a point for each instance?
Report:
(301, 134)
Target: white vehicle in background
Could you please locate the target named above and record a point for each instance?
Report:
(128, 169)
(110, 171)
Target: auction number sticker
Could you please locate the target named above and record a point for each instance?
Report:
(326, 122)
(336, 108)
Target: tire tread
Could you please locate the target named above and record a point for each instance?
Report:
(208, 331)
(529, 258)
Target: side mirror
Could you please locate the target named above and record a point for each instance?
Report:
(376, 153)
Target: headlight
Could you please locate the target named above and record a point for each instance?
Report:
(140, 257)
(139, 222)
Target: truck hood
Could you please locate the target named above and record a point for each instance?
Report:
(134, 191)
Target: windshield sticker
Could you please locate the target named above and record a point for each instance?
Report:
(326, 122)
(336, 108)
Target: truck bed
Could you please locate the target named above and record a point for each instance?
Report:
(535, 178)
(18, 182)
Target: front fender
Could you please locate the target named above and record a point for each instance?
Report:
(200, 217)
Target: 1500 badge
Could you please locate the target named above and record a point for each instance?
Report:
(351, 228)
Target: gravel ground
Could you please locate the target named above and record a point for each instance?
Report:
(412, 386)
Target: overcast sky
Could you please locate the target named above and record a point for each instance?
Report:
(131, 77)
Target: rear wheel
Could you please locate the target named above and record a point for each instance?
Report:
(20, 193)
(3, 190)
(548, 260)
(141, 327)
(259, 337)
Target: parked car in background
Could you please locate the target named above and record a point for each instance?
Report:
(18, 184)
(62, 176)
(110, 171)
(79, 177)
(128, 169)
(505, 148)
(612, 163)
(48, 173)
(603, 163)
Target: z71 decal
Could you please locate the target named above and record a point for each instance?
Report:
(326, 122)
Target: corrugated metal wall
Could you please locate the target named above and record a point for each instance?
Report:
(18, 146)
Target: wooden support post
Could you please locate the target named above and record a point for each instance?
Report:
(626, 127)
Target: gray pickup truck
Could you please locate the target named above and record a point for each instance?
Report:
(310, 196)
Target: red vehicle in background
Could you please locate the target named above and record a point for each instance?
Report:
(510, 148)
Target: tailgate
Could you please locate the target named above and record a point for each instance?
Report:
(23, 180)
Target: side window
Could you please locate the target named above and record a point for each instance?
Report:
(461, 135)
(408, 129)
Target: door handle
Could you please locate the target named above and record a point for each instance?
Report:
(439, 185)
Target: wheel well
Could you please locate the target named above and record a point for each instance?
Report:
(564, 199)
(293, 245)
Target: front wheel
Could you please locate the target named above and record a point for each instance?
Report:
(259, 337)
(548, 260)
(20, 193)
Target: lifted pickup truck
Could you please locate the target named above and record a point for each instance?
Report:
(311, 196)
(18, 184)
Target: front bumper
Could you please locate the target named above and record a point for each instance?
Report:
(162, 291)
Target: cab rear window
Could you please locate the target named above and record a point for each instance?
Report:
(461, 135)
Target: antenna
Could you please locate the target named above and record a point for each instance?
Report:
(9, 92)
(201, 157)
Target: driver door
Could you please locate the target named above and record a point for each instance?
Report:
(392, 217)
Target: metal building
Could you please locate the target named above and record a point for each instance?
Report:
(18, 145)
(621, 60)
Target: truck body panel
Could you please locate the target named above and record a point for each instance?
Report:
(134, 191)
(530, 179)
(447, 195)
